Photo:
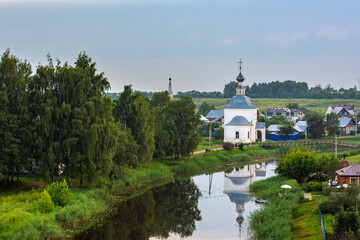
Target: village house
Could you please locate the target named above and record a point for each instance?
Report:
(216, 116)
(285, 112)
(348, 175)
(341, 111)
(274, 133)
(346, 125)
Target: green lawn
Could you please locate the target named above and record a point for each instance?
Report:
(354, 159)
(264, 103)
(204, 143)
(307, 221)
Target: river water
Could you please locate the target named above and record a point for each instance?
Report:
(215, 206)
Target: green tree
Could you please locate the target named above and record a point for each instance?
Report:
(230, 89)
(159, 103)
(286, 129)
(298, 164)
(205, 108)
(15, 150)
(332, 123)
(316, 124)
(292, 105)
(219, 134)
(73, 125)
(133, 111)
(181, 124)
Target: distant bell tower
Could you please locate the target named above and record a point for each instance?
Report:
(170, 91)
(240, 90)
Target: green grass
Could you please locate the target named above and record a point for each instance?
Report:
(20, 217)
(274, 220)
(354, 159)
(307, 220)
(204, 143)
(264, 103)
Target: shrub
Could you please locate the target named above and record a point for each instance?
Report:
(45, 203)
(346, 223)
(60, 193)
(352, 132)
(228, 146)
(241, 146)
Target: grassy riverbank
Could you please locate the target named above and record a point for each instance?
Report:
(20, 216)
(274, 221)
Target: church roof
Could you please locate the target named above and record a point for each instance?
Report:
(239, 121)
(260, 125)
(240, 101)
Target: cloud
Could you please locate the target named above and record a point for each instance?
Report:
(334, 32)
(227, 41)
(285, 39)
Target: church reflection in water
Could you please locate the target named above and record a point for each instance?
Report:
(236, 185)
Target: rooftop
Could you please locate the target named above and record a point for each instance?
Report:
(240, 101)
(239, 121)
(352, 170)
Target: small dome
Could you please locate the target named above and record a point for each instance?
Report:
(240, 78)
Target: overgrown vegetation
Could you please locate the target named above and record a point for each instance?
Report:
(274, 221)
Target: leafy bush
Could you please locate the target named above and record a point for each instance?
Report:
(352, 133)
(45, 203)
(60, 193)
(312, 186)
(228, 146)
(219, 134)
(241, 146)
(346, 223)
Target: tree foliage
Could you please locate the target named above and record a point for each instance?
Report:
(58, 121)
(205, 108)
(332, 123)
(298, 164)
(286, 129)
(316, 124)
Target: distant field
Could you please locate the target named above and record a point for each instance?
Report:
(264, 103)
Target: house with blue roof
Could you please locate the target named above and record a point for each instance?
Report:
(240, 118)
(346, 125)
(216, 116)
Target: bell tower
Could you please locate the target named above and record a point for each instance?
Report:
(170, 91)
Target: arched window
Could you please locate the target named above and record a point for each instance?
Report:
(237, 135)
(248, 134)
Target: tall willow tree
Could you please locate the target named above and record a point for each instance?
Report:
(159, 102)
(181, 124)
(14, 121)
(74, 129)
(133, 111)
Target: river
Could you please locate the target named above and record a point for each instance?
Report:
(215, 206)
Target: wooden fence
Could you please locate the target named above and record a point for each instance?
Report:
(312, 144)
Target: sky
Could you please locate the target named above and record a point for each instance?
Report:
(141, 42)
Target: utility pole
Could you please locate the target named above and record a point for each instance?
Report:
(336, 145)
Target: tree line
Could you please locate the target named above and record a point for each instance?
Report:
(274, 89)
(58, 120)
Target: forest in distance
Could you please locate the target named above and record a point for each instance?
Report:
(58, 121)
(274, 89)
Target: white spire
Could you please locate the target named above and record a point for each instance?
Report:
(170, 91)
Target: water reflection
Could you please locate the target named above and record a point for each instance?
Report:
(172, 208)
(215, 206)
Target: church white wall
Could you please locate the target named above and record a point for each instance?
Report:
(249, 114)
(230, 134)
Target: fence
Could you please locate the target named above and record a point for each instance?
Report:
(322, 223)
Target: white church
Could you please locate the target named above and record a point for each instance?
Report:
(240, 118)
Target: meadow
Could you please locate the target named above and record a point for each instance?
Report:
(265, 103)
